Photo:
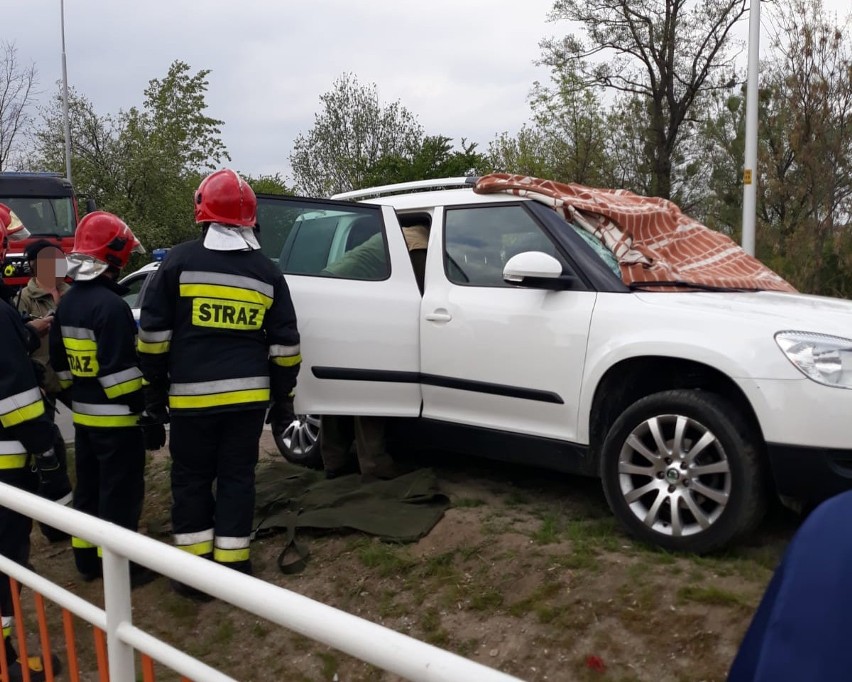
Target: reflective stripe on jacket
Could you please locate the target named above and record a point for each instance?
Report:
(220, 328)
(93, 348)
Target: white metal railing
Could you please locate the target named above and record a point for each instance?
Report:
(368, 641)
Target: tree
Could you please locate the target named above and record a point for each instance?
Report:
(267, 184)
(351, 133)
(724, 134)
(668, 53)
(142, 164)
(434, 158)
(805, 162)
(567, 139)
(17, 84)
(530, 152)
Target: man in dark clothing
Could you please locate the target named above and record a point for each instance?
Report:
(218, 340)
(92, 344)
(26, 440)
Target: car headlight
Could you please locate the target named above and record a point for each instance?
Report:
(825, 359)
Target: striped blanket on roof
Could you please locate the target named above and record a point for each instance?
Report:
(650, 237)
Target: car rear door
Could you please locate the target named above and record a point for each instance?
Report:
(357, 304)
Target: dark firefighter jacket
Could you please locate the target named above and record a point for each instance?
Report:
(24, 428)
(92, 349)
(219, 327)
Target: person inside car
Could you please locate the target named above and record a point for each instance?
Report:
(338, 432)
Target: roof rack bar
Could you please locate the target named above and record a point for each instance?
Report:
(437, 183)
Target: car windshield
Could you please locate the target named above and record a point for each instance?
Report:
(604, 253)
(44, 215)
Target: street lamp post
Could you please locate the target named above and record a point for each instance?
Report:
(750, 165)
(65, 97)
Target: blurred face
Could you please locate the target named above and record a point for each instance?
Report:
(50, 264)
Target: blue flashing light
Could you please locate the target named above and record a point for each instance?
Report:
(159, 254)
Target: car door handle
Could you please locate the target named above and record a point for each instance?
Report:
(439, 315)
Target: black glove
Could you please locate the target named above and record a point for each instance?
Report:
(64, 397)
(47, 461)
(153, 431)
(54, 478)
(156, 404)
(281, 414)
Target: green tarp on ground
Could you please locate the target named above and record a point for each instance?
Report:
(403, 509)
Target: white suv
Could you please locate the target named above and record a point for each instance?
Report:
(692, 407)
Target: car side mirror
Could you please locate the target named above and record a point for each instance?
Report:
(538, 270)
(91, 207)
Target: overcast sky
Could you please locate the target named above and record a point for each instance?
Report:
(463, 67)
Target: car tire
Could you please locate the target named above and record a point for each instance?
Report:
(681, 470)
(299, 441)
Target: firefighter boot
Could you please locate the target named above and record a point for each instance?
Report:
(34, 663)
(190, 592)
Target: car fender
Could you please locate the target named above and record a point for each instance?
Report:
(620, 332)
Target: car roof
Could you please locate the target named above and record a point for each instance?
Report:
(446, 197)
(148, 267)
(426, 194)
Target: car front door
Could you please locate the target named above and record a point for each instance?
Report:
(494, 355)
(357, 304)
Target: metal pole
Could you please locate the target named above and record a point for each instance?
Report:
(750, 166)
(65, 98)
(122, 665)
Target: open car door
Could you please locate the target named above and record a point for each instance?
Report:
(357, 304)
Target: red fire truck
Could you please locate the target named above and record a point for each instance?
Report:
(46, 205)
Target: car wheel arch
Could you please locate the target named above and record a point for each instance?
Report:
(632, 379)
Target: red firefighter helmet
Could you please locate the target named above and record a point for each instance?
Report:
(106, 238)
(5, 220)
(224, 197)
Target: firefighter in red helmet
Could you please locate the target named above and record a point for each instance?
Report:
(92, 350)
(26, 450)
(218, 340)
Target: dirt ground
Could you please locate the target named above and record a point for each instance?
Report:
(527, 572)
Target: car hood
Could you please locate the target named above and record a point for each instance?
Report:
(781, 311)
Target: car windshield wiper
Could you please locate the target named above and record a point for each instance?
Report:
(637, 286)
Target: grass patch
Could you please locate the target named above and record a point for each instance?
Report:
(601, 533)
(330, 664)
(540, 601)
(433, 632)
(259, 630)
(516, 498)
(468, 502)
(389, 607)
(438, 567)
(714, 596)
(387, 560)
(224, 633)
(548, 533)
(486, 599)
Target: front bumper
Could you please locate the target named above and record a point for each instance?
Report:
(810, 474)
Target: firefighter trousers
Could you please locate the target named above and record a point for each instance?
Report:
(220, 450)
(14, 535)
(110, 465)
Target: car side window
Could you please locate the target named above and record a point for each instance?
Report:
(342, 244)
(479, 241)
(134, 287)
